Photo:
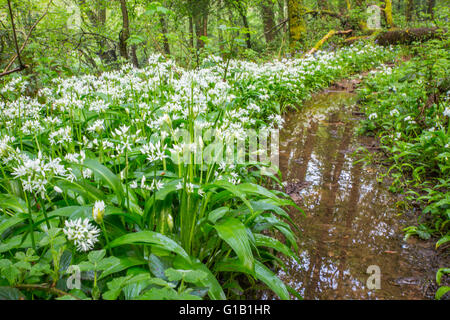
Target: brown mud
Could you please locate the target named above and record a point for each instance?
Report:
(352, 221)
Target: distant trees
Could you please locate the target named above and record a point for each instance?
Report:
(110, 32)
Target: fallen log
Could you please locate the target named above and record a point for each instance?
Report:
(401, 36)
(320, 43)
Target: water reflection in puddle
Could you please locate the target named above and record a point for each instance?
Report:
(351, 220)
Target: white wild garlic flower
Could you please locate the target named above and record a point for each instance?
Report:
(82, 233)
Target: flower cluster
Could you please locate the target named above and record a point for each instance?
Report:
(82, 233)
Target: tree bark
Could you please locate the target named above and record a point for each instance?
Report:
(247, 30)
(330, 34)
(268, 18)
(430, 11)
(125, 32)
(297, 25)
(191, 31)
(403, 36)
(163, 23)
(388, 13)
(408, 10)
(199, 12)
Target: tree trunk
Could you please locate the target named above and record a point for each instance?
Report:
(282, 14)
(297, 25)
(134, 58)
(163, 23)
(191, 31)
(125, 32)
(388, 13)
(200, 11)
(430, 11)
(408, 10)
(268, 18)
(247, 30)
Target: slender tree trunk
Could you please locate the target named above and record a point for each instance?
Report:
(219, 31)
(268, 18)
(191, 31)
(388, 13)
(125, 32)
(134, 58)
(297, 25)
(247, 30)
(282, 14)
(200, 12)
(408, 10)
(163, 23)
(430, 11)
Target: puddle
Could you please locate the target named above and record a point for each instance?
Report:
(351, 220)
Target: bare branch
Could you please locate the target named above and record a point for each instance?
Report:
(19, 51)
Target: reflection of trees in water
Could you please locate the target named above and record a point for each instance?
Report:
(332, 160)
(351, 222)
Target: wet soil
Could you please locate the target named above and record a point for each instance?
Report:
(351, 220)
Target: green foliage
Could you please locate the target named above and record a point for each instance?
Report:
(408, 108)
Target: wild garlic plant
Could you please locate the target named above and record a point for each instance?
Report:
(142, 163)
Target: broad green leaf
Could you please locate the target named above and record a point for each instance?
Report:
(233, 232)
(271, 280)
(12, 202)
(8, 293)
(266, 241)
(218, 213)
(152, 238)
(261, 273)
(122, 264)
(215, 290)
(442, 240)
(107, 176)
(191, 276)
(440, 273)
(9, 222)
(441, 291)
(231, 188)
(96, 255)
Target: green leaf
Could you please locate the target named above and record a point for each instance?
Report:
(122, 264)
(441, 291)
(8, 293)
(265, 241)
(218, 213)
(440, 273)
(215, 290)
(96, 256)
(10, 222)
(261, 273)
(12, 202)
(107, 176)
(166, 294)
(442, 240)
(231, 188)
(233, 232)
(152, 238)
(271, 280)
(88, 192)
(72, 212)
(191, 276)
(158, 266)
